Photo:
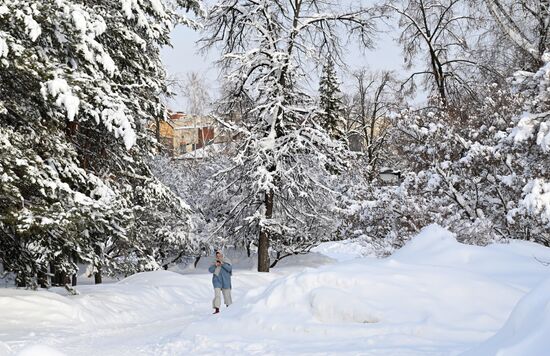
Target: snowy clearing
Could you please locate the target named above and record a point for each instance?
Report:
(432, 297)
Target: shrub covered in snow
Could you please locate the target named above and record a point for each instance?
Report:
(481, 170)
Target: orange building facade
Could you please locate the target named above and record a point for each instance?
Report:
(182, 133)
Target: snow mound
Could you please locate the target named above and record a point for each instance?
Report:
(327, 306)
(435, 296)
(39, 350)
(24, 306)
(526, 331)
(433, 289)
(137, 298)
(514, 263)
(345, 250)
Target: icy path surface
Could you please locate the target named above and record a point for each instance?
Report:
(433, 297)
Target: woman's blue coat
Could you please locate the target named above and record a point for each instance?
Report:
(223, 279)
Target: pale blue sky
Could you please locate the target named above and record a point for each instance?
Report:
(184, 58)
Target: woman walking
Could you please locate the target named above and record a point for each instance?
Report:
(221, 279)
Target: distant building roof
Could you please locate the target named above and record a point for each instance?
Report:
(183, 121)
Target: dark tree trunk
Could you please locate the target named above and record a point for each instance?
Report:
(248, 252)
(97, 276)
(20, 281)
(42, 279)
(55, 276)
(52, 275)
(64, 278)
(263, 243)
(60, 279)
(197, 259)
(73, 278)
(157, 129)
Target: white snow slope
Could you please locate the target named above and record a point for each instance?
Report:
(435, 296)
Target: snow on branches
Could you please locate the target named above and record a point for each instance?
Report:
(81, 82)
(283, 165)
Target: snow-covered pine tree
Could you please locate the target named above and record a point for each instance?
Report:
(330, 101)
(80, 83)
(278, 184)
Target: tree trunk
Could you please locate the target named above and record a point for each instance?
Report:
(73, 278)
(60, 279)
(20, 281)
(97, 276)
(197, 259)
(42, 279)
(57, 277)
(65, 279)
(263, 243)
(52, 275)
(157, 129)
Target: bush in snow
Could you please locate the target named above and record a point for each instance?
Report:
(480, 168)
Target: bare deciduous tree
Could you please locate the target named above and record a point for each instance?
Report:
(524, 23)
(195, 91)
(435, 30)
(368, 120)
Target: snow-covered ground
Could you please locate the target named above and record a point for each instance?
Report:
(432, 297)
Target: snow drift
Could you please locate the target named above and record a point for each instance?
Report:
(435, 296)
(527, 330)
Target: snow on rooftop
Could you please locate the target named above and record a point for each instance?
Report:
(205, 152)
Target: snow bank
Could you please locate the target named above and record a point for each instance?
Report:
(109, 319)
(513, 263)
(345, 250)
(435, 296)
(31, 317)
(39, 350)
(44, 308)
(527, 330)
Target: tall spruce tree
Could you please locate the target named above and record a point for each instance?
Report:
(330, 101)
(80, 83)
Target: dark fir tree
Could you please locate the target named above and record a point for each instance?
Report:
(80, 83)
(330, 101)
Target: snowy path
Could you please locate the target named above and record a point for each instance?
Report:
(433, 297)
(136, 316)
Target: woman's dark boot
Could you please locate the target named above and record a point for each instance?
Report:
(216, 310)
